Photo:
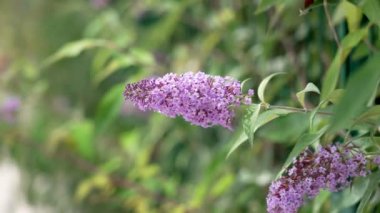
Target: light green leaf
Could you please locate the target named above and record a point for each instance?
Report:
(261, 120)
(237, 142)
(359, 90)
(372, 114)
(335, 96)
(109, 107)
(372, 186)
(243, 83)
(285, 129)
(330, 81)
(117, 63)
(265, 4)
(351, 12)
(73, 49)
(82, 132)
(371, 9)
(320, 200)
(351, 195)
(303, 142)
(310, 87)
(250, 120)
(263, 85)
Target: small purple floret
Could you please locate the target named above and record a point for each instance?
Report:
(376, 160)
(199, 98)
(332, 168)
(9, 107)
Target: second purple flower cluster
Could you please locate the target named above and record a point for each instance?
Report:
(332, 167)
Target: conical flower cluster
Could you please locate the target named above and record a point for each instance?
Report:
(332, 167)
(199, 98)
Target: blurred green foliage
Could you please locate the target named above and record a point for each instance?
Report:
(68, 62)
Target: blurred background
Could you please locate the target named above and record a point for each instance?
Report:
(70, 143)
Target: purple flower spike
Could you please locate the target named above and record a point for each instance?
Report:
(331, 168)
(201, 99)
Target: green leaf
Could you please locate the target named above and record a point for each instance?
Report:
(371, 115)
(243, 83)
(372, 186)
(303, 142)
(359, 90)
(250, 120)
(285, 129)
(310, 87)
(264, 5)
(351, 195)
(263, 85)
(371, 9)
(335, 96)
(237, 142)
(82, 133)
(320, 200)
(260, 121)
(330, 81)
(73, 49)
(351, 12)
(117, 63)
(109, 107)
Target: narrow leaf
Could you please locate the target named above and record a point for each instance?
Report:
(250, 120)
(239, 141)
(75, 48)
(303, 142)
(359, 90)
(372, 186)
(372, 114)
(371, 9)
(310, 87)
(330, 81)
(261, 120)
(263, 85)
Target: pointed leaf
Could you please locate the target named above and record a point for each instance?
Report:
(75, 48)
(263, 85)
(239, 141)
(372, 186)
(359, 90)
(304, 141)
(372, 114)
(330, 81)
(310, 87)
(250, 120)
(261, 120)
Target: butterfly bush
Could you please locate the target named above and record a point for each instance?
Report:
(201, 99)
(331, 167)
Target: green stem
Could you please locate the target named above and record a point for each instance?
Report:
(298, 109)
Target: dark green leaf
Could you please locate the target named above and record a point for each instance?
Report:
(372, 186)
(109, 107)
(371, 9)
(303, 142)
(359, 90)
(331, 79)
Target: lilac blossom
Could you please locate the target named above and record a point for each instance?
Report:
(331, 167)
(376, 160)
(199, 98)
(8, 108)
